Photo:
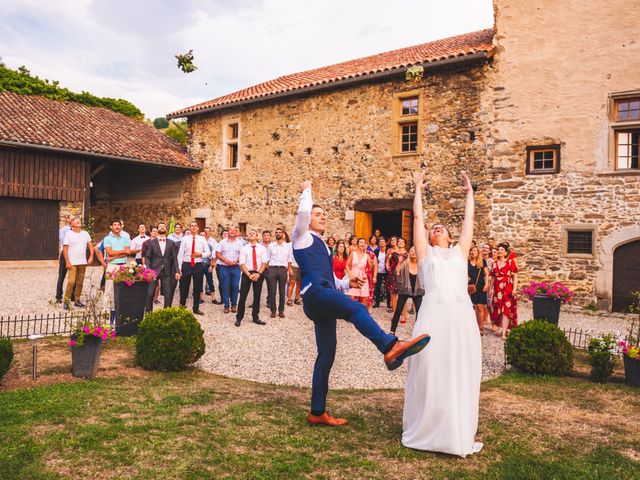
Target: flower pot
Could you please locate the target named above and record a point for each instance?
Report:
(130, 302)
(85, 358)
(546, 308)
(632, 371)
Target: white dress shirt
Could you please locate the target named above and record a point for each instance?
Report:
(136, 244)
(163, 244)
(292, 259)
(278, 254)
(229, 250)
(246, 256)
(200, 246)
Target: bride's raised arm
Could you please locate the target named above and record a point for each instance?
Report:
(419, 232)
(466, 235)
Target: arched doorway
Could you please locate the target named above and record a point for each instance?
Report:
(626, 275)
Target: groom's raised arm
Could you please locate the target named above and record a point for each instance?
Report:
(300, 236)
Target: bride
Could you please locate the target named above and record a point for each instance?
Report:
(443, 381)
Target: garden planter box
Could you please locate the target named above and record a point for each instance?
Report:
(546, 308)
(130, 303)
(86, 358)
(632, 371)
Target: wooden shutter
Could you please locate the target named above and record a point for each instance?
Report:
(407, 227)
(364, 224)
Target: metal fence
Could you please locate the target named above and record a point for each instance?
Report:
(21, 326)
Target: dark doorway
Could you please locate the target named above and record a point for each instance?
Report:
(626, 275)
(389, 223)
(28, 229)
(202, 222)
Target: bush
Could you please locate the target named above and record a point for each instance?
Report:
(169, 339)
(601, 358)
(160, 122)
(6, 356)
(539, 347)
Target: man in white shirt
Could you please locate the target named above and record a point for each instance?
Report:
(208, 272)
(176, 236)
(62, 265)
(228, 254)
(123, 233)
(193, 248)
(74, 250)
(277, 273)
(253, 262)
(136, 243)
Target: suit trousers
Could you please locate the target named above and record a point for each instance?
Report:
(62, 273)
(167, 284)
(245, 285)
(323, 306)
(188, 272)
(276, 278)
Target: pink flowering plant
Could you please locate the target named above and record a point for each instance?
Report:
(90, 328)
(555, 290)
(132, 273)
(630, 346)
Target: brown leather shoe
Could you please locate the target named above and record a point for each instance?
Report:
(326, 419)
(273, 314)
(402, 350)
(281, 314)
(226, 310)
(234, 309)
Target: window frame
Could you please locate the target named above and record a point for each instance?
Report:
(402, 134)
(532, 149)
(582, 227)
(399, 121)
(229, 142)
(621, 126)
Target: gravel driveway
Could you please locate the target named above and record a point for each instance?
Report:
(283, 351)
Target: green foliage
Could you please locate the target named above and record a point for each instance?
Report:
(601, 358)
(539, 347)
(161, 122)
(185, 62)
(169, 339)
(23, 83)
(172, 225)
(178, 132)
(6, 356)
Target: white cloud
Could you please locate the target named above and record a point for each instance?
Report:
(126, 48)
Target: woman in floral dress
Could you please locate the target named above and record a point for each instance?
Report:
(503, 288)
(394, 258)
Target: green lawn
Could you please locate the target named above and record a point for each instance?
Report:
(194, 425)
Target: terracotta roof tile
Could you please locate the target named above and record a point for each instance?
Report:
(458, 46)
(40, 121)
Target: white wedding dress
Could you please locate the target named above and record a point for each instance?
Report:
(443, 380)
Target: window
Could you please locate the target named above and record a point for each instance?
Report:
(232, 148)
(406, 118)
(543, 159)
(242, 227)
(625, 123)
(409, 138)
(580, 241)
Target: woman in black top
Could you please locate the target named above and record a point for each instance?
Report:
(478, 275)
(409, 286)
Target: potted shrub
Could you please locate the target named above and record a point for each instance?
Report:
(86, 346)
(630, 348)
(131, 284)
(546, 299)
(602, 358)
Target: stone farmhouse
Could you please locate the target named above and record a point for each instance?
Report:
(505, 104)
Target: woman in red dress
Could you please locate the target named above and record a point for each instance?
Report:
(503, 288)
(340, 260)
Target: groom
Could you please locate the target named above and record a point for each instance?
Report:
(324, 303)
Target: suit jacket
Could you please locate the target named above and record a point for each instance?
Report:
(155, 260)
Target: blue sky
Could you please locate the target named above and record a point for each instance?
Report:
(126, 48)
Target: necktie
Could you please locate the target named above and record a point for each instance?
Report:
(193, 249)
(255, 259)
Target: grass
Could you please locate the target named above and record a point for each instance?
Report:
(194, 425)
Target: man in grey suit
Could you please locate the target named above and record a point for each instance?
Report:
(162, 257)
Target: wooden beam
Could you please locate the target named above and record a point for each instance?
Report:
(383, 204)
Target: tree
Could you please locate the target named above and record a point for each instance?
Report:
(161, 122)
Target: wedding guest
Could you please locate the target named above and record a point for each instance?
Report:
(478, 274)
(228, 254)
(266, 239)
(353, 245)
(253, 263)
(331, 243)
(395, 257)
(123, 232)
(357, 264)
(340, 260)
(347, 239)
(116, 246)
(294, 279)
(277, 272)
(62, 264)
(210, 266)
(74, 250)
(373, 245)
(409, 287)
(176, 236)
(193, 250)
(503, 288)
(377, 233)
(161, 256)
(380, 293)
(138, 241)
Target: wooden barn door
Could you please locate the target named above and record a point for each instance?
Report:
(363, 225)
(407, 227)
(28, 229)
(626, 275)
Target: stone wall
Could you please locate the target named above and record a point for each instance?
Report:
(341, 140)
(556, 64)
(70, 208)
